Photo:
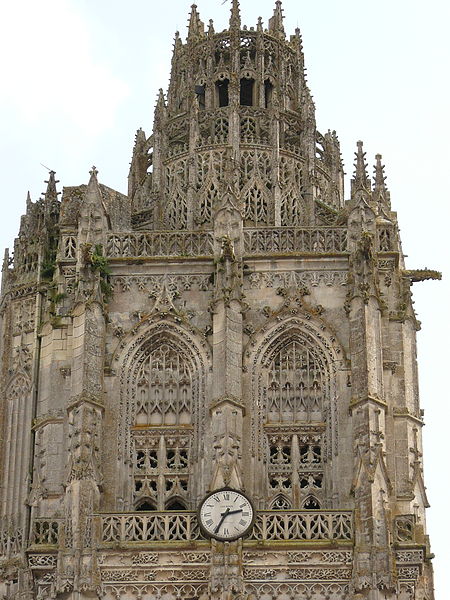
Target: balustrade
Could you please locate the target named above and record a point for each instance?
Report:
(160, 243)
(271, 525)
(293, 239)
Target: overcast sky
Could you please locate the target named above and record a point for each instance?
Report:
(78, 78)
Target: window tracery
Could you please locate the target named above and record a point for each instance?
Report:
(296, 403)
(160, 398)
(176, 184)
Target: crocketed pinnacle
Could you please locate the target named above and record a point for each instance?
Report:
(195, 26)
(360, 179)
(380, 190)
(235, 17)
(51, 194)
(379, 177)
(276, 22)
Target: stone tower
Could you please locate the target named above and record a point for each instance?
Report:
(232, 324)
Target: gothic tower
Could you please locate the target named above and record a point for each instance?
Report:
(209, 386)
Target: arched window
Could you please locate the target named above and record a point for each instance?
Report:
(247, 92)
(295, 391)
(162, 381)
(164, 384)
(176, 505)
(145, 505)
(311, 503)
(268, 93)
(222, 92)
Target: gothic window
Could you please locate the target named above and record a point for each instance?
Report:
(280, 503)
(161, 418)
(16, 444)
(221, 130)
(200, 92)
(164, 389)
(145, 505)
(296, 392)
(247, 91)
(248, 129)
(291, 184)
(297, 386)
(222, 92)
(311, 503)
(176, 183)
(256, 209)
(268, 93)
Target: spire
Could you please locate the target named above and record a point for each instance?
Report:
(235, 17)
(360, 179)
(380, 190)
(51, 194)
(276, 22)
(195, 26)
(51, 203)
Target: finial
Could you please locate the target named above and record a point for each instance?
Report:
(360, 178)
(379, 177)
(51, 194)
(380, 189)
(211, 28)
(259, 26)
(29, 201)
(276, 22)
(93, 172)
(161, 102)
(235, 17)
(195, 25)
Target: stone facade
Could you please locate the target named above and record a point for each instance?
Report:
(232, 322)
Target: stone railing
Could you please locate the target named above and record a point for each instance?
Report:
(160, 243)
(10, 540)
(154, 527)
(288, 525)
(322, 240)
(45, 532)
(269, 526)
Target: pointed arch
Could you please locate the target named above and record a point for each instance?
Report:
(292, 364)
(162, 409)
(17, 432)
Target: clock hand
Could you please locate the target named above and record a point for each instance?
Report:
(233, 512)
(223, 515)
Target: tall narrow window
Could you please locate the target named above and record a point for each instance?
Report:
(200, 92)
(222, 92)
(247, 86)
(268, 93)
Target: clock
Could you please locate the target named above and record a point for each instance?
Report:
(226, 515)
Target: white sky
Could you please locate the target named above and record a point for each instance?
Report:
(78, 77)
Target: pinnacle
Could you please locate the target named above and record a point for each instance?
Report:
(93, 173)
(276, 22)
(195, 25)
(360, 177)
(235, 17)
(51, 192)
(379, 176)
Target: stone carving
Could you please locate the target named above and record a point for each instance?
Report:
(283, 279)
(232, 322)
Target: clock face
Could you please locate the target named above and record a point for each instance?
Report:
(226, 515)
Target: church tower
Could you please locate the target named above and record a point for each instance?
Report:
(209, 386)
